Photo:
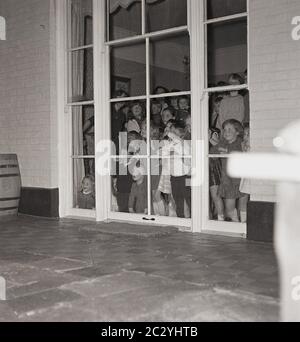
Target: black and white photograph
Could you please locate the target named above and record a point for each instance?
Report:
(149, 163)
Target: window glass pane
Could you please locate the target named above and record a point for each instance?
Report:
(164, 113)
(224, 106)
(170, 196)
(81, 32)
(170, 64)
(83, 184)
(165, 14)
(128, 127)
(170, 127)
(223, 8)
(82, 75)
(229, 132)
(228, 197)
(83, 131)
(227, 51)
(128, 70)
(129, 186)
(125, 19)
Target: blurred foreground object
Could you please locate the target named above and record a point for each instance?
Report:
(2, 289)
(283, 167)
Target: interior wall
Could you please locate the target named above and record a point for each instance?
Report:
(274, 78)
(27, 90)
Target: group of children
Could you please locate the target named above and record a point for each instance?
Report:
(229, 133)
(170, 134)
(170, 185)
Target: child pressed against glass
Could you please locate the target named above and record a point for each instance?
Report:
(215, 174)
(156, 109)
(245, 183)
(138, 194)
(154, 131)
(232, 106)
(163, 101)
(180, 168)
(168, 114)
(164, 186)
(155, 136)
(215, 111)
(86, 196)
(137, 116)
(229, 188)
(183, 108)
(174, 102)
(155, 141)
(124, 179)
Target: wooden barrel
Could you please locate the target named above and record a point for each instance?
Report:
(10, 184)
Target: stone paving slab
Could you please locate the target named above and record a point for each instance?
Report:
(96, 271)
(6, 313)
(130, 230)
(117, 284)
(61, 271)
(59, 264)
(134, 305)
(29, 304)
(49, 282)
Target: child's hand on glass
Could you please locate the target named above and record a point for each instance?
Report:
(223, 150)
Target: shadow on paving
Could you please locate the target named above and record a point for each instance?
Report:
(82, 271)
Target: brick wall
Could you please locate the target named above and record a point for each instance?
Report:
(27, 90)
(274, 77)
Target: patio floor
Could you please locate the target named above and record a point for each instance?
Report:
(79, 271)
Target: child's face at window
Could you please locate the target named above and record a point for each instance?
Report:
(160, 91)
(234, 82)
(174, 102)
(156, 108)
(137, 111)
(154, 134)
(137, 175)
(167, 116)
(134, 147)
(230, 133)
(87, 185)
(183, 104)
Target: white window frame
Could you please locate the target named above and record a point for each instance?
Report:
(65, 142)
(199, 108)
(210, 226)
